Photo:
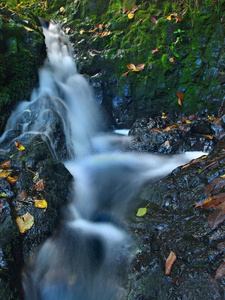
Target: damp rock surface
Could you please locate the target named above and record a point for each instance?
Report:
(38, 177)
(178, 220)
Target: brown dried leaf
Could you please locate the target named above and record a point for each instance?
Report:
(124, 74)
(216, 218)
(22, 196)
(39, 186)
(6, 164)
(169, 263)
(215, 185)
(25, 222)
(220, 271)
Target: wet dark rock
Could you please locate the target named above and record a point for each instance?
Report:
(173, 224)
(30, 165)
(162, 135)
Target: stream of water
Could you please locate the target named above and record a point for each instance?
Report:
(84, 258)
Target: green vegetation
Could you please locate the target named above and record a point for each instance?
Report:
(180, 43)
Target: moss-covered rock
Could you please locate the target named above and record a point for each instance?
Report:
(22, 53)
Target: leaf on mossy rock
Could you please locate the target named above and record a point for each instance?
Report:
(130, 16)
(19, 146)
(169, 263)
(141, 211)
(41, 203)
(25, 222)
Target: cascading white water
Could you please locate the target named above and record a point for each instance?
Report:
(82, 260)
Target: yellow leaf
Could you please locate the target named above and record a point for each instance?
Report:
(171, 59)
(141, 211)
(40, 203)
(179, 101)
(131, 66)
(4, 174)
(169, 18)
(13, 179)
(19, 146)
(130, 16)
(61, 9)
(25, 222)
(28, 28)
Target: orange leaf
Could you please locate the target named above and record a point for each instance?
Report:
(39, 186)
(6, 164)
(169, 17)
(169, 263)
(124, 74)
(180, 95)
(13, 179)
(19, 146)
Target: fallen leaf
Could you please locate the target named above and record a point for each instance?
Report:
(154, 20)
(169, 263)
(6, 164)
(25, 222)
(216, 184)
(166, 144)
(140, 67)
(22, 196)
(171, 59)
(208, 136)
(132, 67)
(130, 16)
(3, 195)
(36, 177)
(155, 50)
(12, 179)
(4, 173)
(179, 102)
(216, 218)
(169, 18)
(40, 203)
(39, 186)
(124, 74)
(141, 211)
(62, 9)
(212, 202)
(220, 271)
(19, 146)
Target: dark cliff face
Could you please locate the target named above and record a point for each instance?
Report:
(22, 53)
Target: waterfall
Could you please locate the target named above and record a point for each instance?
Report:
(85, 257)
